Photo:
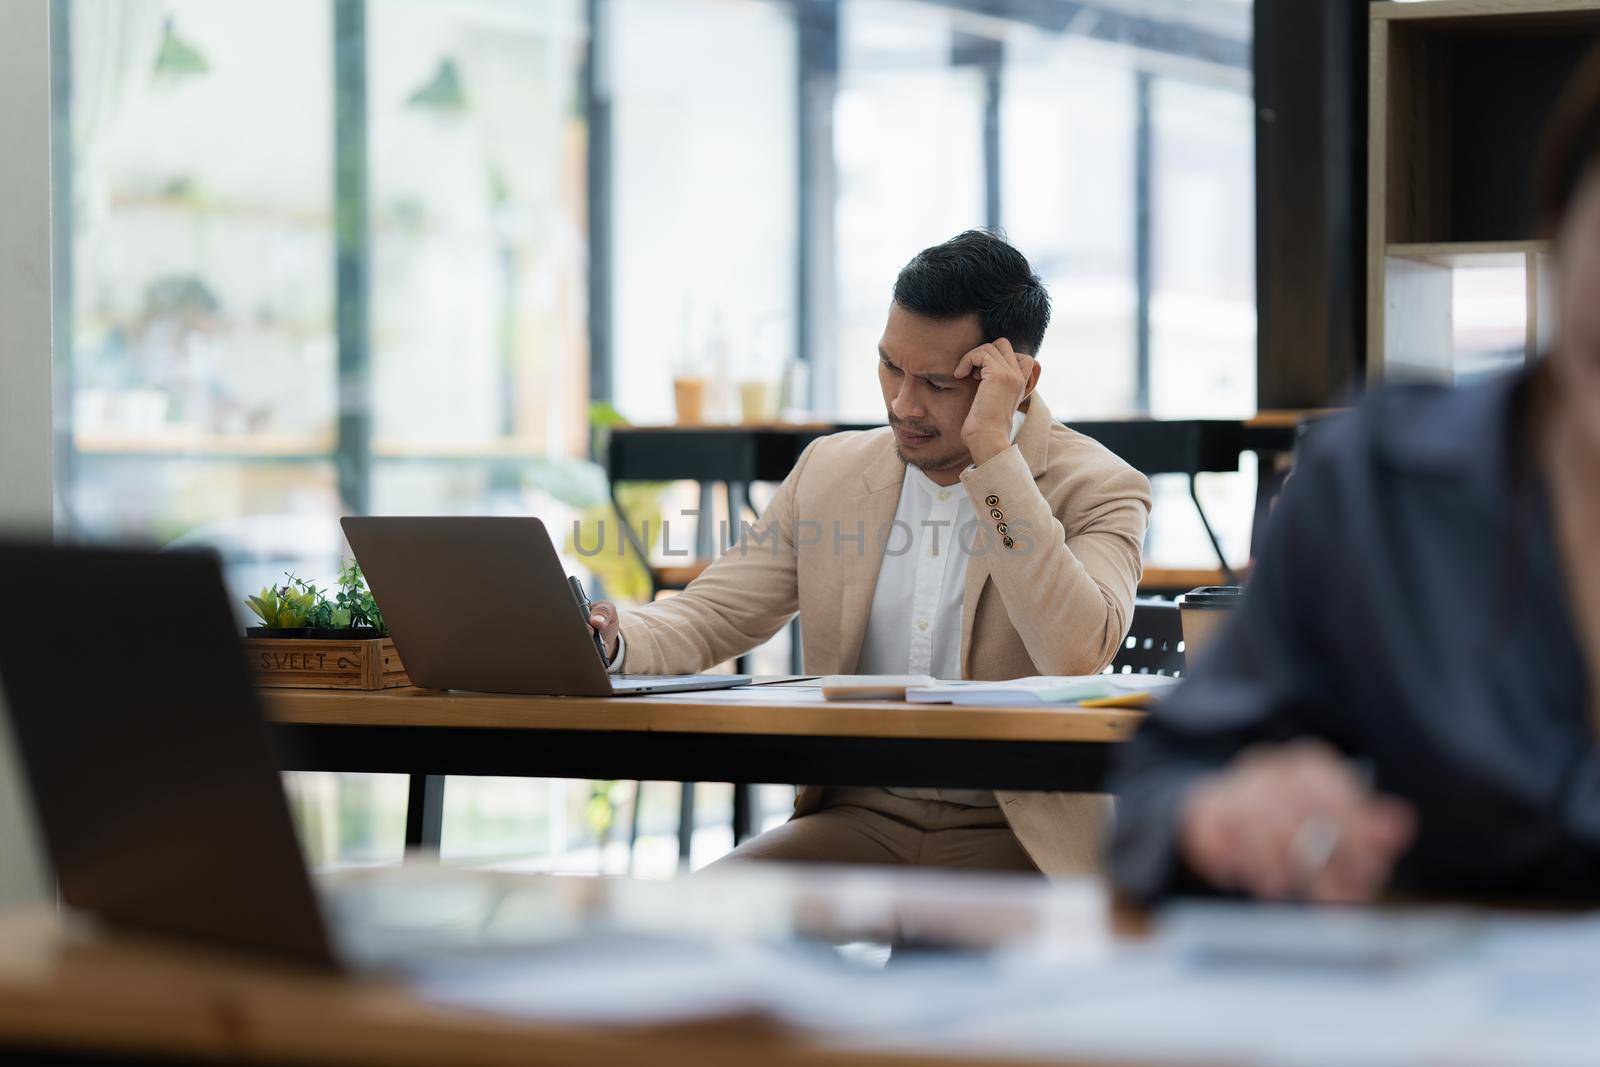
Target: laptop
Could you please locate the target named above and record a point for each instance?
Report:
(153, 772)
(483, 604)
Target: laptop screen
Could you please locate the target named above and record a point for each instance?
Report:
(151, 768)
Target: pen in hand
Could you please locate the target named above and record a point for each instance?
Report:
(584, 606)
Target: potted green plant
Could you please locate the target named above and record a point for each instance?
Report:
(325, 620)
(348, 613)
(282, 612)
(356, 600)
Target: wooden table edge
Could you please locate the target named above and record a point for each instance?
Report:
(680, 713)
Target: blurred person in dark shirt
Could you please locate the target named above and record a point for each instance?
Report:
(1408, 698)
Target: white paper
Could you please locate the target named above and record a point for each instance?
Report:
(1038, 689)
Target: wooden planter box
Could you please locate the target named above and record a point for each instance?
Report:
(302, 663)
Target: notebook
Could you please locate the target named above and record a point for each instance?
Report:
(873, 686)
(1094, 690)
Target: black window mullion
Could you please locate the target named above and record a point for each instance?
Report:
(1143, 245)
(817, 30)
(598, 184)
(353, 255)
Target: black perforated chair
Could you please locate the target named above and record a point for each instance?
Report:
(1154, 644)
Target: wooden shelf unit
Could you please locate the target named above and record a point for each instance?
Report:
(1469, 253)
(1460, 91)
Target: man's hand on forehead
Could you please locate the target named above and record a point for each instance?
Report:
(1005, 378)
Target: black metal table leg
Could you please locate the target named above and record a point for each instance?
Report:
(744, 796)
(738, 500)
(425, 813)
(633, 824)
(685, 822)
(1216, 545)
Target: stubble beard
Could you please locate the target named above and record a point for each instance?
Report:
(948, 461)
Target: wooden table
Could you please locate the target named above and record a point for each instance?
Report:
(784, 734)
(70, 994)
(1153, 581)
(1174, 581)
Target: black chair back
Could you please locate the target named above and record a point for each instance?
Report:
(1154, 644)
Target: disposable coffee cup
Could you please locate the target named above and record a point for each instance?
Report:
(689, 397)
(1202, 613)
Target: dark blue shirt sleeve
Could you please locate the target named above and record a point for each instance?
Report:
(1260, 681)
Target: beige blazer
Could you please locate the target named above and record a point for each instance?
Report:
(1049, 587)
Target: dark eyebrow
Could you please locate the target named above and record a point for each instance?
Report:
(936, 379)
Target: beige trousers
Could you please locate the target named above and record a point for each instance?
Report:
(873, 826)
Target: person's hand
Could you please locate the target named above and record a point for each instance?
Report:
(1005, 377)
(603, 621)
(1293, 821)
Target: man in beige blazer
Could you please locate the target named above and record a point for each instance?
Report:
(975, 536)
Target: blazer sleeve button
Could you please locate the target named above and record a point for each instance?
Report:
(992, 500)
(1009, 543)
(996, 513)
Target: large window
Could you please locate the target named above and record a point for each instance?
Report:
(1202, 310)
(202, 364)
(326, 257)
(1070, 122)
(277, 315)
(908, 143)
(1115, 147)
(703, 180)
(475, 146)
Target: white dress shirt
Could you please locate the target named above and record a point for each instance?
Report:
(915, 623)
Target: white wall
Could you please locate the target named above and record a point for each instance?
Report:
(25, 500)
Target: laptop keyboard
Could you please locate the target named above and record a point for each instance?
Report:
(627, 683)
(623, 681)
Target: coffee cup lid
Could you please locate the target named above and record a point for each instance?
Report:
(1212, 596)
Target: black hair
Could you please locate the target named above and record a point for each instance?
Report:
(978, 272)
